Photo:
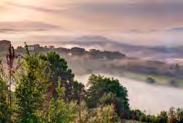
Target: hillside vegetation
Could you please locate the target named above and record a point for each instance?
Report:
(41, 88)
(112, 62)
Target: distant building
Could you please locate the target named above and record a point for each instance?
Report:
(34, 47)
(30, 48)
(51, 47)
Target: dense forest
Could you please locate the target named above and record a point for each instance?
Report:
(41, 88)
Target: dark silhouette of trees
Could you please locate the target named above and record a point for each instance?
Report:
(100, 87)
(58, 69)
(10, 57)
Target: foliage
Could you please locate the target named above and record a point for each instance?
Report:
(78, 92)
(151, 80)
(46, 92)
(175, 116)
(100, 86)
(179, 115)
(162, 117)
(30, 89)
(5, 111)
(58, 111)
(103, 114)
(58, 69)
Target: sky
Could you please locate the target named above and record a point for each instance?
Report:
(142, 22)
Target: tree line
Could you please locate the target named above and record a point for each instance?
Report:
(40, 88)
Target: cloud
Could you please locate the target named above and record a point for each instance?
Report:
(175, 29)
(152, 10)
(112, 15)
(140, 21)
(33, 7)
(25, 26)
(148, 15)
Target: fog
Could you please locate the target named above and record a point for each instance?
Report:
(150, 98)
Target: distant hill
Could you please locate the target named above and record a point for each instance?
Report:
(76, 51)
(4, 44)
(147, 52)
(83, 61)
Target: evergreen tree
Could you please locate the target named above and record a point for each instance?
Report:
(5, 109)
(58, 68)
(5, 112)
(30, 89)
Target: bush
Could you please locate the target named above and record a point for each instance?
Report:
(151, 80)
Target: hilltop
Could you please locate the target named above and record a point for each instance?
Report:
(4, 44)
(133, 50)
(90, 61)
(84, 61)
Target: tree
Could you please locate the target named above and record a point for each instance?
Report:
(179, 115)
(102, 114)
(30, 89)
(172, 116)
(151, 80)
(59, 111)
(162, 117)
(58, 68)
(100, 86)
(78, 92)
(10, 57)
(137, 115)
(5, 111)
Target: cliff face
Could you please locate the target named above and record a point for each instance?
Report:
(4, 44)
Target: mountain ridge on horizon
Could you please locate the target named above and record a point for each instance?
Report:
(104, 43)
(98, 39)
(134, 50)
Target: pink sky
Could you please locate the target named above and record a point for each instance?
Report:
(157, 22)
